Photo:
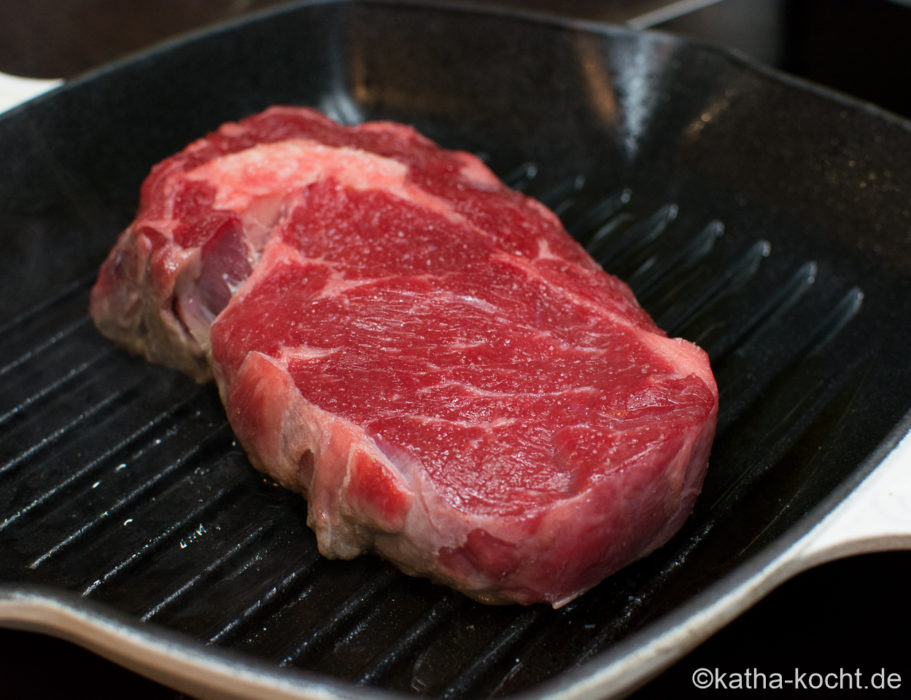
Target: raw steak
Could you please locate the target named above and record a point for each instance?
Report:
(426, 355)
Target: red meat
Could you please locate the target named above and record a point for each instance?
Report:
(426, 355)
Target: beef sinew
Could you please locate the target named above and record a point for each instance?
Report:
(426, 355)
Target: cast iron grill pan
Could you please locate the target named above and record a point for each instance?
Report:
(779, 244)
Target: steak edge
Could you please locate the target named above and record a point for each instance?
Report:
(427, 356)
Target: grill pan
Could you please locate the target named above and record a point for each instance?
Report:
(761, 217)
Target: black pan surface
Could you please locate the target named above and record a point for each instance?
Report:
(767, 220)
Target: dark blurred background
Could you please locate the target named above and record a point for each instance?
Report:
(861, 47)
(851, 614)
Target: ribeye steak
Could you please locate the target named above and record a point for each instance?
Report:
(426, 355)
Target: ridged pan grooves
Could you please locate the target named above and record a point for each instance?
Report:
(403, 647)
(31, 353)
(122, 504)
(275, 593)
(514, 633)
(339, 618)
(112, 400)
(47, 324)
(181, 450)
(203, 574)
(62, 488)
(763, 319)
(37, 312)
(58, 385)
(162, 538)
(655, 268)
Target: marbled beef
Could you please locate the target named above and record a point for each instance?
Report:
(426, 355)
